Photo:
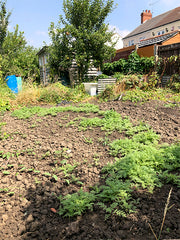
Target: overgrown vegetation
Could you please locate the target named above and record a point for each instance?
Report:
(134, 64)
(18, 58)
(144, 164)
(140, 162)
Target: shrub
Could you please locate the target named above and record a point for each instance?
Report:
(174, 83)
(134, 64)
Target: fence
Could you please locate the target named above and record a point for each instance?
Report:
(103, 83)
(169, 50)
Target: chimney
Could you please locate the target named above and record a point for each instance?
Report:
(146, 15)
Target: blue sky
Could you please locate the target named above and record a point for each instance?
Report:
(34, 16)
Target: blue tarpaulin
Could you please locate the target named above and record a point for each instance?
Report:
(14, 83)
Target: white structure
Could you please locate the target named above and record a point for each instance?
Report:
(116, 38)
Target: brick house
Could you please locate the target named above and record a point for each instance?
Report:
(150, 27)
(161, 30)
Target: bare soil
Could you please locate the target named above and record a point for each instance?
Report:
(28, 196)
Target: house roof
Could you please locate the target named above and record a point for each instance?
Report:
(160, 20)
(157, 39)
(42, 50)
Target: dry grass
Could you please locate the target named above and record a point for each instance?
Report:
(164, 216)
(29, 95)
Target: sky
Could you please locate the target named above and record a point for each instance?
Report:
(35, 16)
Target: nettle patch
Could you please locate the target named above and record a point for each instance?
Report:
(140, 162)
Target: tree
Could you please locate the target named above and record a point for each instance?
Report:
(18, 58)
(4, 22)
(81, 36)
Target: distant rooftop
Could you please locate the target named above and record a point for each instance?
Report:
(160, 20)
(157, 39)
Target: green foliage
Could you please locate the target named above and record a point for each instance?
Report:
(169, 66)
(144, 164)
(67, 169)
(4, 105)
(110, 122)
(81, 36)
(134, 64)
(18, 58)
(117, 193)
(107, 94)
(4, 22)
(138, 95)
(174, 83)
(139, 142)
(153, 80)
(5, 96)
(147, 165)
(76, 203)
(5, 93)
(25, 112)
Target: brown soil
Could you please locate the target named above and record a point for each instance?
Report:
(27, 209)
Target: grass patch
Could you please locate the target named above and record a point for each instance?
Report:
(25, 112)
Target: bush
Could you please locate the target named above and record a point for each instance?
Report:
(18, 58)
(174, 83)
(134, 64)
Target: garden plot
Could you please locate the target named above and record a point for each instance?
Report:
(90, 172)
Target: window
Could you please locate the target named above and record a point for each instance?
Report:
(141, 38)
(161, 32)
(172, 28)
(131, 43)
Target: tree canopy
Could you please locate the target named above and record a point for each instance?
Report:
(81, 35)
(4, 22)
(18, 57)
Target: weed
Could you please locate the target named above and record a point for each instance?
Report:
(6, 173)
(47, 174)
(4, 190)
(34, 125)
(55, 177)
(88, 140)
(46, 154)
(11, 193)
(67, 169)
(25, 112)
(96, 159)
(75, 180)
(37, 181)
(117, 193)
(22, 169)
(76, 204)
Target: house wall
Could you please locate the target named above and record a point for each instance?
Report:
(152, 33)
(116, 38)
(147, 51)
